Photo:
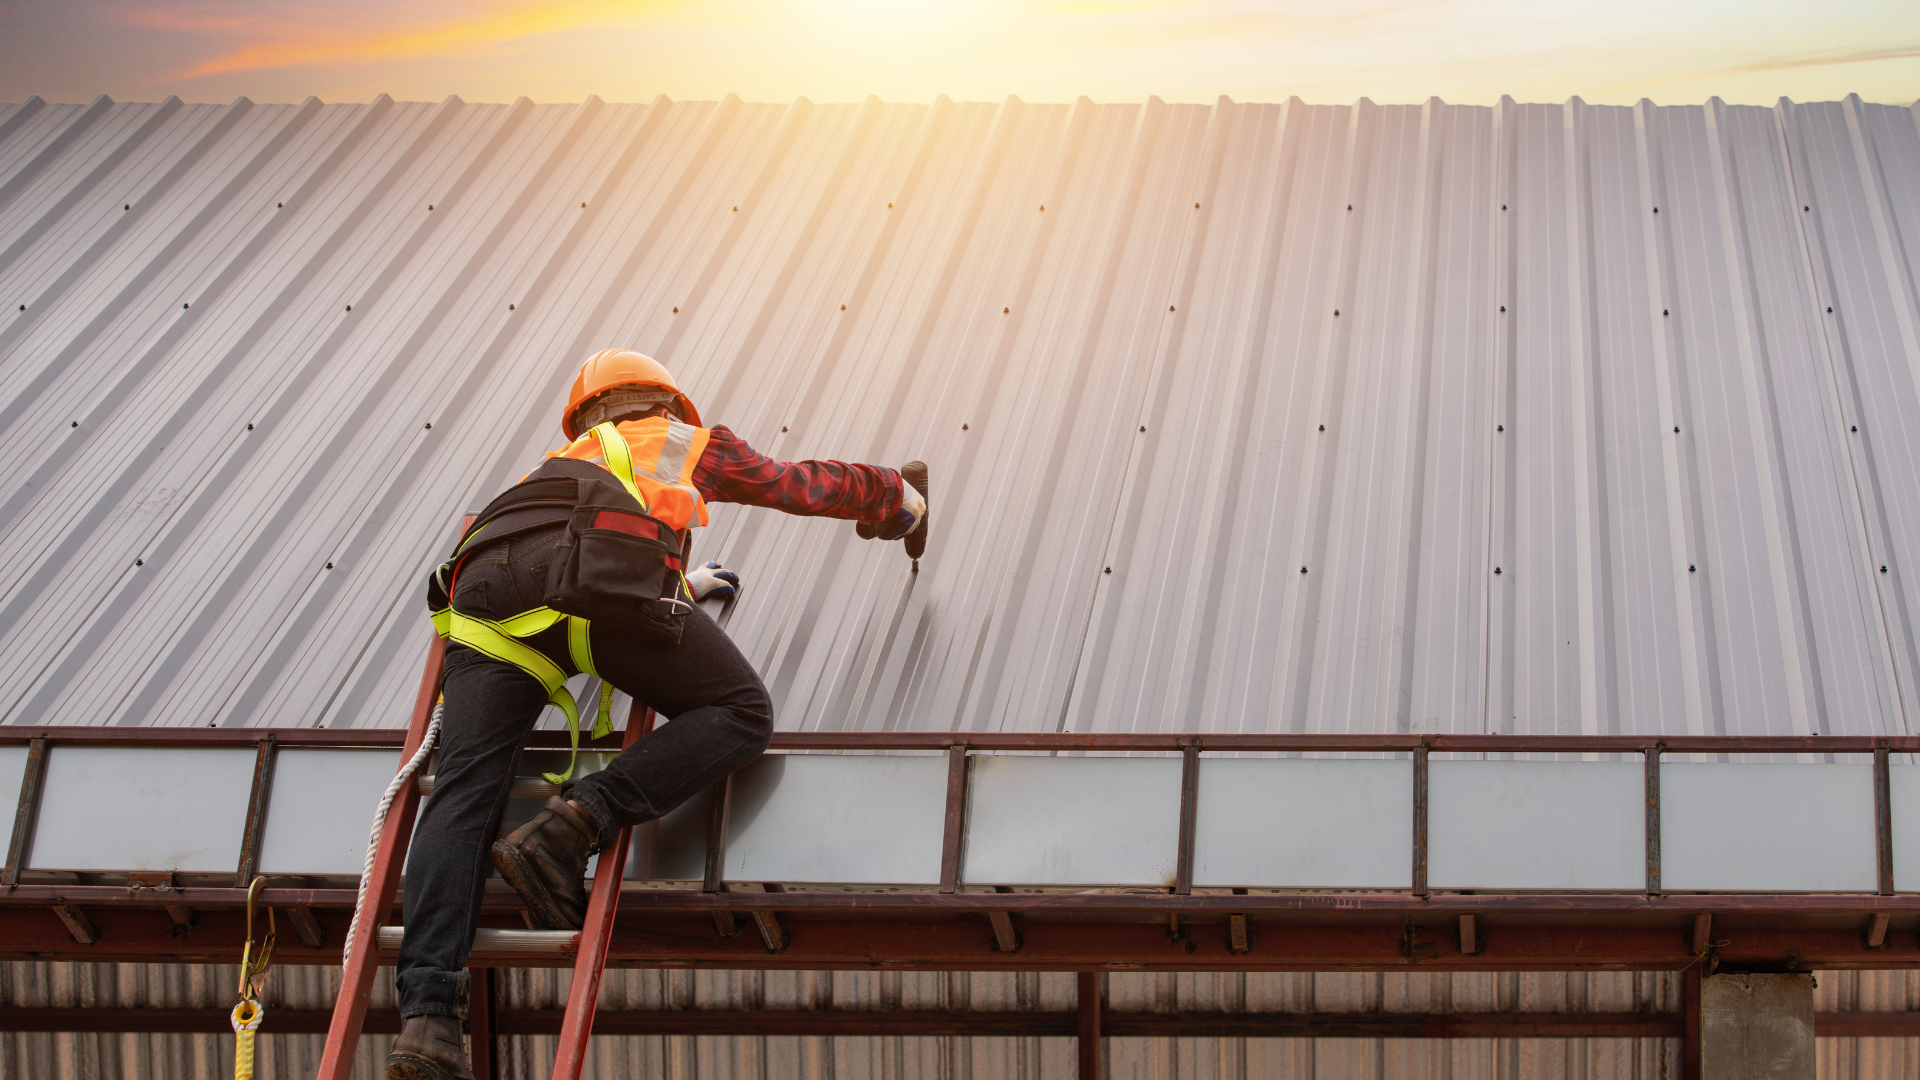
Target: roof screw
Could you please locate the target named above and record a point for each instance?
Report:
(1663, 311)
(1143, 427)
(183, 307)
(1323, 427)
(1503, 309)
(1303, 569)
(1349, 206)
(783, 429)
(249, 427)
(1496, 569)
(76, 423)
(1807, 208)
(1883, 569)
(129, 206)
(1196, 206)
(1109, 570)
(1043, 209)
(429, 206)
(1336, 313)
(139, 562)
(509, 307)
(736, 209)
(1656, 209)
(963, 427)
(429, 425)
(1503, 206)
(349, 307)
(889, 206)
(1502, 427)
(843, 307)
(583, 206)
(1169, 307)
(23, 307)
(676, 311)
(1006, 311)
(279, 206)
(1856, 427)
(1829, 311)
(329, 566)
(1676, 429)
(1690, 568)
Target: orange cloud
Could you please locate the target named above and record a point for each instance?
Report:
(292, 45)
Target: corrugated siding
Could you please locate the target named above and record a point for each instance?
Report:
(291, 1057)
(1245, 417)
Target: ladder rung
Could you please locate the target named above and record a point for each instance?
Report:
(502, 942)
(524, 787)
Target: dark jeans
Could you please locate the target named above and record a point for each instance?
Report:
(720, 718)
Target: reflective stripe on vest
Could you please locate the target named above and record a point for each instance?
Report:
(654, 459)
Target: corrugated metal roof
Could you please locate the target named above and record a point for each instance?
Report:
(1242, 417)
(1498, 528)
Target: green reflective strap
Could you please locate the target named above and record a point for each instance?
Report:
(495, 639)
(613, 447)
(603, 721)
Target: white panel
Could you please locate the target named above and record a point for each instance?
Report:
(128, 808)
(1766, 828)
(838, 819)
(321, 806)
(1304, 823)
(13, 769)
(1536, 825)
(1073, 821)
(674, 848)
(1905, 797)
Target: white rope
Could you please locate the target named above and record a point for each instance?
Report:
(380, 821)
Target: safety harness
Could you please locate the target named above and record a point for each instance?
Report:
(538, 503)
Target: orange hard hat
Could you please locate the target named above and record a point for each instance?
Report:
(611, 368)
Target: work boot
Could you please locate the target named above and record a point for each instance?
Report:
(545, 861)
(429, 1048)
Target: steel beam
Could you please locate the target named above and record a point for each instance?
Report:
(937, 1023)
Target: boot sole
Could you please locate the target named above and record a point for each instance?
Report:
(519, 873)
(403, 1066)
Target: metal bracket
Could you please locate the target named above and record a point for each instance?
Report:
(307, 928)
(1471, 943)
(1239, 936)
(83, 929)
(771, 934)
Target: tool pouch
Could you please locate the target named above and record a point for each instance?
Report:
(615, 565)
(619, 567)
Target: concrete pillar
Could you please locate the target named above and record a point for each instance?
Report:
(1756, 1027)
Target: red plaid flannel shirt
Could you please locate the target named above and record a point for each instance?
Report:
(731, 471)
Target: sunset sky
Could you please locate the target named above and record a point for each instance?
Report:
(1464, 51)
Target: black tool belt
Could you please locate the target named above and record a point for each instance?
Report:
(616, 565)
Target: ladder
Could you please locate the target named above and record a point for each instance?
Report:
(362, 961)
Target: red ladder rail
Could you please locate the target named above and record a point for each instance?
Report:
(596, 933)
(356, 981)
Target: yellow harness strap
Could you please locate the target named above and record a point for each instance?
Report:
(500, 640)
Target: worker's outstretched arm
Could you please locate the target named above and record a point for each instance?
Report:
(732, 471)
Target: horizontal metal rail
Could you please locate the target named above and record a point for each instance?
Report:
(940, 1022)
(1168, 742)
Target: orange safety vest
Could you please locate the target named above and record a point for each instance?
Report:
(664, 453)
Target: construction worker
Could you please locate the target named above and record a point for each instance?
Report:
(601, 527)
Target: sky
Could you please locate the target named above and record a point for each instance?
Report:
(1392, 51)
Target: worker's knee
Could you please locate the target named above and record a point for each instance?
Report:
(753, 710)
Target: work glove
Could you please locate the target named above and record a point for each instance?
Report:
(713, 581)
(913, 510)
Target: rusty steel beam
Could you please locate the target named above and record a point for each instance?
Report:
(1087, 1035)
(936, 1023)
(1167, 742)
